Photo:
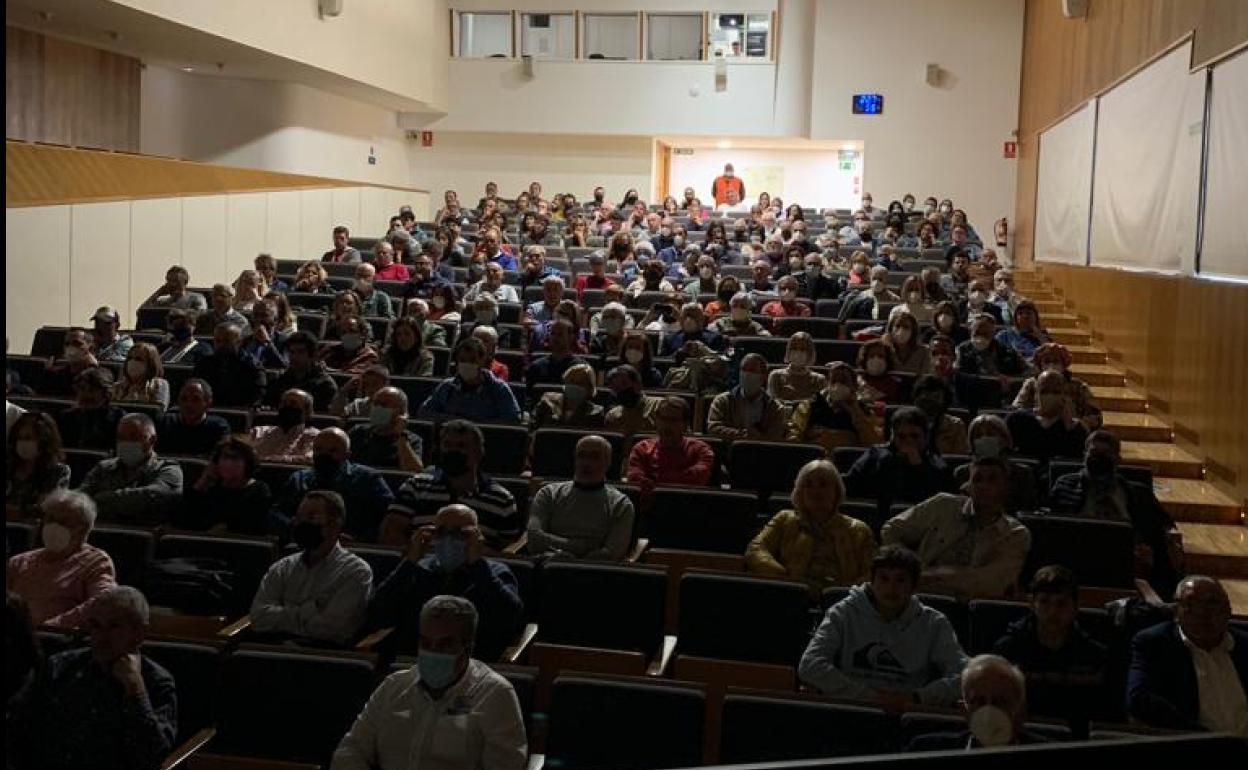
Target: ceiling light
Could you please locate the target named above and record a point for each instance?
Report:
(188, 69)
(724, 144)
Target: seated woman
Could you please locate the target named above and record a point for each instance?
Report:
(636, 351)
(813, 541)
(346, 305)
(142, 378)
(797, 381)
(983, 355)
(729, 286)
(443, 304)
(914, 302)
(901, 335)
(352, 353)
(1055, 357)
(36, 464)
(227, 497)
(60, 580)
(290, 440)
(787, 306)
(837, 416)
(248, 290)
(990, 437)
(736, 322)
(312, 279)
(875, 362)
(945, 321)
(406, 354)
(574, 407)
(1027, 335)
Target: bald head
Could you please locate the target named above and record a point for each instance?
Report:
(593, 460)
(332, 442)
(456, 516)
(1203, 610)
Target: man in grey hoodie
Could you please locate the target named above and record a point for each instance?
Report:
(881, 644)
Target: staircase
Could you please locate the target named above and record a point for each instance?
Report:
(1215, 540)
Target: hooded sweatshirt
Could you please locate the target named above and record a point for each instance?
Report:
(855, 653)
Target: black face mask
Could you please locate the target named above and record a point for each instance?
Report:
(1099, 465)
(307, 535)
(326, 466)
(289, 416)
(631, 200)
(628, 398)
(181, 334)
(726, 296)
(455, 463)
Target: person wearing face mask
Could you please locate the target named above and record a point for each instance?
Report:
(652, 278)
(977, 304)
(947, 433)
(1028, 334)
(227, 497)
(869, 302)
(319, 593)
(35, 463)
(290, 440)
(585, 518)
(613, 322)
(189, 429)
(353, 353)
(142, 378)
(915, 304)
(945, 323)
(234, 376)
(365, 491)
(797, 381)
(373, 303)
(728, 287)
(1099, 491)
(881, 644)
(875, 380)
(671, 457)
(456, 477)
(1056, 358)
(989, 436)
(787, 306)
(859, 271)
(705, 282)
(737, 321)
(901, 335)
(903, 470)
(692, 329)
(747, 411)
(634, 411)
(726, 182)
(303, 372)
(60, 580)
(472, 392)
(135, 486)
(984, 356)
(1050, 429)
(448, 692)
(91, 423)
(265, 343)
(835, 416)
(179, 345)
(994, 695)
(596, 278)
(574, 406)
(549, 370)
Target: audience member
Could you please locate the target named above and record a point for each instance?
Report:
(671, 457)
(91, 423)
(836, 416)
(221, 311)
(901, 335)
(984, 356)
(384, 441)
(385, 266)
(902, 471)
(989, 436)
(1055, 357)
(173, 293)
(110, 344)
(1050, 430)
(290, 440)
(586, 517)
(303, 372)
(994, 695)
(472, 392)
(797, 381)
(35, 464)
(574, 406)
(737, 321)
(747, 411)
(634, 411)
(266, 343)
(875, 364)
(946, 433)
(365, 492)
(235, 378)
(342, 250)
(1027, 334)
(227, 497)
(136, 486)
(190, 429)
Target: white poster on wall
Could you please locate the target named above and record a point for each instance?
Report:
(1064, 188)
(1146, 181)
(1224, 250)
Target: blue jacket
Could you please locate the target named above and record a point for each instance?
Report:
(491, 400)
(1161, 686)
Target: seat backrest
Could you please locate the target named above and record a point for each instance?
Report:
(989, 619)
(1101, 553)
(599, 605)
(276, 705)
(554, 450)
(954, 611)
(19, 536)
(743, 618)
(380, 559)
(701, 520)
(247, 558)
(130, 549)
(196, 669)
(624, 725)
(768, 466)
(771, 729)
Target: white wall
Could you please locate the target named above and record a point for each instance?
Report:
(465, 161)
(116, 253)
(944, 141)
(810, 177)
(269, 125)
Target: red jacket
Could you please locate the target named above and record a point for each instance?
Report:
(652, 463)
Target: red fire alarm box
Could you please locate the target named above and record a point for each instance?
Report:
(426, 138)
(1011, 150)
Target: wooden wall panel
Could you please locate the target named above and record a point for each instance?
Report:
(67, 93)
(1067, 61)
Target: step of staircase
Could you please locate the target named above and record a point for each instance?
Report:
(1087, 354)
(1099, 374)
(1196, 501)
(1062, 320)
(1119, 399)
(1070, 335)
(1215, 549)
(1137, 426)
(1238, 591)
(1164, 459)
(1049, 307)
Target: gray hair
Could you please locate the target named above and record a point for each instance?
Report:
(127, 598)
(465, 428)
(615, 308)
(485, 331)
(456, 608)
(982, 663)
(78, 503)
(142, 420)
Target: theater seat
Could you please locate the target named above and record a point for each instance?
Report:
(768, 466)
(743, 618)
(914, 724)
(247, 558)
(701, 520)
(1101, 553)
(554, 450)
(772, 729)
(196, 669)
(130, 549)
(602, 606)
(988, 620)
(624, 725)
(19, 537)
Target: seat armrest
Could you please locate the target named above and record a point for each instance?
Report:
(370, 642)
(1148, 593)
(515, 548)
(660, 665)
(182, 754)
(639, 550)
(515, 652)
(234, 631)
(536, 762)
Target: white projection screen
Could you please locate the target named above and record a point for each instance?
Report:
(1064, 188)
(1224, 249)
(1146, 181)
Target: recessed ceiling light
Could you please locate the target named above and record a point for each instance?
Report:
(188, 69)
(724, 144)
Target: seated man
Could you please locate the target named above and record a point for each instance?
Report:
(190, 429)
(994, 695)
(549, 370)
(634, 411)
(303, 372)
(173, 294)
(586, 517)
(365, 492)
(236, 379)
(91, 423)
(60, 580)
(431, 334)
(447, 557)
(106, 706)
(692, 329)
(342, 251)
(1100, 492)
(747, 411)
(290, 440)
(423, 279)
(1052, 430)
(265, 343)
(1065, 667)
(471, 393)
(180, 345)
(1192, 673)
(671, 457)
(110, 344)
(543, 311)
(457, 478)
(356, 397)
(492, 283)
(880, 643)
(320, 593)
(487, 723)
(904, 470)
(136, 486)
(385, 442)
(221, 312)
(968, 545)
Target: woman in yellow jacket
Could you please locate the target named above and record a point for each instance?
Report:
(814, 542)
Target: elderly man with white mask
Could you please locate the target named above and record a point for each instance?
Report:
(136, 486)
(60, 580)
(994, 694)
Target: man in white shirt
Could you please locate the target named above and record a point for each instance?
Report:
(447, 711)
(732, 203)
(322, 592)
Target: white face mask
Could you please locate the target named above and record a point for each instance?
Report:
(634, 356)
(876, 366)
(797, 358)
(56, 538)
(27, 449)
(991, 726)
(914, 297)
(901, 335)
(439, 302)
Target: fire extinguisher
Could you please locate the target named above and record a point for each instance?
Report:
(1002, 228)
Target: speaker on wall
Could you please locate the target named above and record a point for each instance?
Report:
(1074, 9)
(330, 7)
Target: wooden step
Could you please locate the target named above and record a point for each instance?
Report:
(1137, 426)
(1238, 591)
(1164, 459)
(1065, 320)
(1119, 399)
(1215, 549)
(1087, 354)
(1196, 501)
(1071, 335)
(1100, 374)
(1050, 307)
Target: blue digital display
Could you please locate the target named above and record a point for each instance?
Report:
(868, 104)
